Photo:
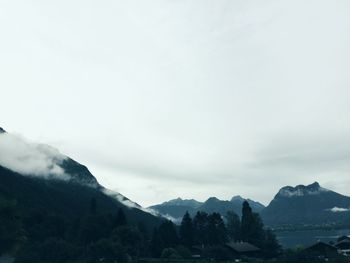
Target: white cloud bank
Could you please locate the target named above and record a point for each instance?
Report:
(21, 156)
(197, 98)
(339, 209)
(128, 203)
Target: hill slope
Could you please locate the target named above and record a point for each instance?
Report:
(66, 190)
(311, 204)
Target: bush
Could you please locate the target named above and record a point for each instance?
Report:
(184, 252)
(170, 253)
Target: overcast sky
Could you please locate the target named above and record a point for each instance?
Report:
(189, 98)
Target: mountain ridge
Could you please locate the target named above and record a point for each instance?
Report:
(176, 208)
(67, 189)
(307, 205)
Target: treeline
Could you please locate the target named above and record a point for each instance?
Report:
(210, 232)
(40, 236)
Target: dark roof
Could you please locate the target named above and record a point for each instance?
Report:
(242, 247)
(322, 247)
(343, 238)
(345, 244)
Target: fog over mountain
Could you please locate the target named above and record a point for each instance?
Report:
(27, 158)
(180, 98)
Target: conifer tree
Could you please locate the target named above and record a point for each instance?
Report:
(168, 234)
(186, 230)
(121, 219)
(246, 222)
(216, 229)
(156, 245)
(200, 225)
(233, 226)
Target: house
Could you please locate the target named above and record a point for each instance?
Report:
(243, 248)
(228, 250)
(343, 238)
(322, 249)
(343, 247)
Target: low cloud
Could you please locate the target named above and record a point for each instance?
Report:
(339, 209)
(24, 157)
(130, 204)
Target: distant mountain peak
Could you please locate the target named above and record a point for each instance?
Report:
(302, 190)
(212, 199)
(2, 130)
(237, 198)
(182, 202)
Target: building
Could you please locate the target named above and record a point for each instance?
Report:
(322, 249)
(243, 248)
(343, 247)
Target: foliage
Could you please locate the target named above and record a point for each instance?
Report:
(168, 234)
(217, 252)
(10, 225)
(200, 225)
(170, 253)
(186, 231)
(233, 226)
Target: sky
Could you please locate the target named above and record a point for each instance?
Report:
(183, 98)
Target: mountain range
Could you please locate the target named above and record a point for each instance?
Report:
(292, 206)
(43, 180)
(47, 182)
(176, 208)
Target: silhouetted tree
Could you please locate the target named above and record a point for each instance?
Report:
(156, 244)
(233, 226)
(168, 234)
(10, 225)
(93, 206)
(216, 230)
(186, 230)
(271, 246)
(252, 230)
(247, 221)
(130, 238)
(121, 219)
(92, 228)
(200, 225)
(252, 227)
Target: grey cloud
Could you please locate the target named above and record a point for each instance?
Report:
(194, 97)
(27, 158)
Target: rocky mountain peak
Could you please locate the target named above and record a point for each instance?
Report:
(301, 190)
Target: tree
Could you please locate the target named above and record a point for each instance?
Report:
(93, 206)
(170, 253)
(252, 230)
(156, 244)
(216, 230)
(271, 246)
(252, 227)
(200, 225)
(106, 250)
(186, 230)
(10, 225)
(168, 234)
(247, 221)
(130, 238)
(93, 228)
(121, 219)
(233, 226)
